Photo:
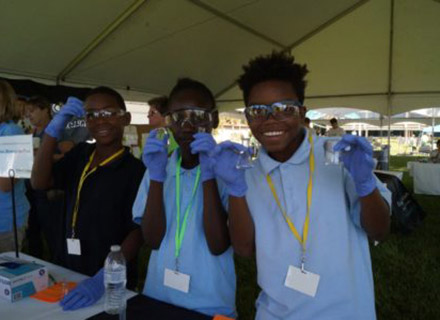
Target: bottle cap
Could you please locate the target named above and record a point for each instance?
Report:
(115, 248)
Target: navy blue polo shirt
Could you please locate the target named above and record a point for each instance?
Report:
(104, 214)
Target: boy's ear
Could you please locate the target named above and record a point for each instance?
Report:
(127, 119)
(302, 112)
(215, 119)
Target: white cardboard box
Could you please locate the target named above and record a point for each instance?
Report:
(24, 280)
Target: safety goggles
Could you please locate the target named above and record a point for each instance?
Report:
(279, 110)
(103, 114)
(195, 116)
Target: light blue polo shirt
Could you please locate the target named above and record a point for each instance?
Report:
(21, 203)
(337, 247)
(212, 284)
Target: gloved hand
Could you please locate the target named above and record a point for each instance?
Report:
(85, 294)
(224, 159)
(359, 162)
(72, 108)
(155, 156)
(204, 144)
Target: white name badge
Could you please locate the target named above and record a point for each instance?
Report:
(302, 281)
(73, 246)
(176, 280)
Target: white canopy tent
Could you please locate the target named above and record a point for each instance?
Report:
(378, 55)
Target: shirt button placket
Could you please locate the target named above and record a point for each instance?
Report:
(286, 187)
(188, 182)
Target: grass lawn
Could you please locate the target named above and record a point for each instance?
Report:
(406, 267)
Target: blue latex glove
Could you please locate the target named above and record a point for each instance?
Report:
(204, 144)
(359, 162)
(72, 108)
(85, 294)
(155, 156)
(224, 160)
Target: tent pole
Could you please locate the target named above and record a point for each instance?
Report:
(381, 125)
(433, 129)
(389, 127)
(390, 75)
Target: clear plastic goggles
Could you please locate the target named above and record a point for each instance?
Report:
(196, 117)
(279, 110)
(105, 114)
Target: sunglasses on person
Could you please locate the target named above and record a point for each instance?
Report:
(282, 110)
(103, 114)
(195, 116)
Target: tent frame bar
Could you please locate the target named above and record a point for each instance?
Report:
(348, 95)
(99, 39)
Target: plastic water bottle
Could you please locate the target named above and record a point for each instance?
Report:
(115, 279)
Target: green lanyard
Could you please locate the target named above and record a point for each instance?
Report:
(181, 228)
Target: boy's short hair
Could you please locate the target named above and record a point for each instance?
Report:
(275, 66)
(333, 120)
(111, 92)
(307, 120)
(40, 102)
(160, 104)
(190, 84)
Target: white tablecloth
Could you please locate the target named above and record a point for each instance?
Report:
(426, 177)
(410, 165)
(29, 308)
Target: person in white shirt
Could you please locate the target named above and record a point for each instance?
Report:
(335, 130)
(307, 126)
(435, 155)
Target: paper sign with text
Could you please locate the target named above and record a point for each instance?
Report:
(16, 153)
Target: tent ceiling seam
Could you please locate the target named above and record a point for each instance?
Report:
(18, 74)
(307, 36)
(236, 23)
(112, 85)
(327, 24)
(98, 40)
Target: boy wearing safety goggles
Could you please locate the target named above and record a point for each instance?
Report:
(100, 181)
(180, 207)
(307, 222)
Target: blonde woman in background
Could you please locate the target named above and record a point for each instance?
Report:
(9, 128)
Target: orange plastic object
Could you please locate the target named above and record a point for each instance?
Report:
(55, 292)
(220, 317)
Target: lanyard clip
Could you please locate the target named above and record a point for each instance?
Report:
(177, 264)
(303, 261)
(73, 233)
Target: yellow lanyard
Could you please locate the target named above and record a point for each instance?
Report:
(295, 232)
(84, 176)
